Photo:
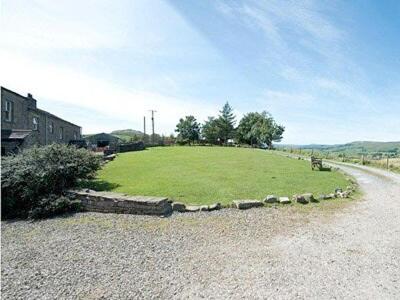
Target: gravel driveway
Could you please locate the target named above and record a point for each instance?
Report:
(351, 250)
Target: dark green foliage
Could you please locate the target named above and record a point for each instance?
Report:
(226, 123)
(210, 130)
(54, 205)
(219, 130)
(255, 129)
(34, 174)
(258, 129)
(188, 130)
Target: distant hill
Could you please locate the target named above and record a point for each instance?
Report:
(353, 147)
(130, 132)
(127, 134)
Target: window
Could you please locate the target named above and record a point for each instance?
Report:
(75, 136)
(61, 134)
(8, 109)
(51, 127)
(35, 122)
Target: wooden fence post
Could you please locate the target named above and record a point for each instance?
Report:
(362, 159)
(387, 162)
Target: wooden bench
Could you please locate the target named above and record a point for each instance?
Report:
(316, 163)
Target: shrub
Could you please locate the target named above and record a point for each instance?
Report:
(40, 175)
(54, 205)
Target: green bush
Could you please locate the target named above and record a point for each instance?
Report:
(37, 177)
(54, 205)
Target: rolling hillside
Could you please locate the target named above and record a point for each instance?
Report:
(127, 134)
(353, 147)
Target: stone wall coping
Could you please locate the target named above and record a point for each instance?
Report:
(119, 196)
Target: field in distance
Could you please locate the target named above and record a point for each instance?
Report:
(205, 175)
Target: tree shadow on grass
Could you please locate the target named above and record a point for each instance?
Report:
(98, 185)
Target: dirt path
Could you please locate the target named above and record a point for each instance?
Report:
(352, 252)
(354, 255)
(357, 255)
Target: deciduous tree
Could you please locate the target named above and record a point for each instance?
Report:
(210, 130)
(188, 130)
(259, 128)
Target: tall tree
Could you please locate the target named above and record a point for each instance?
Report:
(188, 129)
(246, 132)
(259, 128)
(226, 123)
(210, 130)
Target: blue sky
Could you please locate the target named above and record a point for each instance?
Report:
(327, 70)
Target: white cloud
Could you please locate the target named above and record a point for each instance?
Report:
(67, 85)
(45, 24)
(51, 49)
(303, 21)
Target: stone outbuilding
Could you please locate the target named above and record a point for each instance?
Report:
(103, 140)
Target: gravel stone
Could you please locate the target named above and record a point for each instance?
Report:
(300, 199)
(284, 200)
(178, 206)
(351, 251)
(214, 206)
(309, 197)
(246, 204)
(271, 199)
(192, 208)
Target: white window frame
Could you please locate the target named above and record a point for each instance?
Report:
(35, 122)
(61, 133)
(8, 108)
(51, 127)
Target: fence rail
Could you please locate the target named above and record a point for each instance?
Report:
(389, 161)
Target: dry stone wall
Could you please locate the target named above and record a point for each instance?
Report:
(108, 202)
(120, 203)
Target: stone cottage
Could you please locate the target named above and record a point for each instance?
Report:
(24, 125)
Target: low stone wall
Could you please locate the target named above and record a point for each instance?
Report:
(107, 202)
(137, 146)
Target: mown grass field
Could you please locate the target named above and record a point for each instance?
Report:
(204, 175)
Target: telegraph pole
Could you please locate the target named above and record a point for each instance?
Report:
(152, 124)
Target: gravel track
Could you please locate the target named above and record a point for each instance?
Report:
(332, 250)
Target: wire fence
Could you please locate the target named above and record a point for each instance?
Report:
(388, 161)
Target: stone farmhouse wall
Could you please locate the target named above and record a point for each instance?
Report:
(21, 105)
(50, 128)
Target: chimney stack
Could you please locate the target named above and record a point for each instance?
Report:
(31, 101)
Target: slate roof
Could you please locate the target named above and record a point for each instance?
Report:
(14, 134)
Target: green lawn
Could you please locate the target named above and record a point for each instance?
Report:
(204, 175)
